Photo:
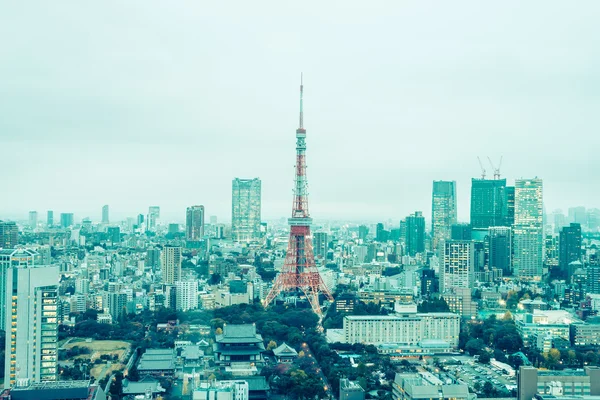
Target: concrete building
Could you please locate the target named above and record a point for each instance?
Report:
(246, 209)
(409, 328)
(426, 387)
(9, 257)
(58, 390)
(187, 295)
(222, 390)
(528, 229)
(31, 321)
(194, 223)
(351, 390)
(581, 382)
(457, 269)
(170, 262)
(9, 235)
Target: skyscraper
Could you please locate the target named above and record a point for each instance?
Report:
(415, 233)
(170, 261)
(105, 217)
(66, 220)
(381, 234)
(153, 216)
(578, 215)
(50, 218)
(363, 231)
(461, 232)
(528, 229)
(31, 317)
(245, 209)
(500, 249)
(186, 295)
(457, 270)
(320, 241)
(8, 257)
(569, 248)
(194, 223)
(9, 235)
(33, 219)
(510, 206)
(593, 275)
(488, 202)
(443, 210)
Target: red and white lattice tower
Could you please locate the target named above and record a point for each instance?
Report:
(299, 273)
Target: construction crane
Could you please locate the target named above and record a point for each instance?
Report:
(482, 169)
(496, 170)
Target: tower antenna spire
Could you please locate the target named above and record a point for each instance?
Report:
(301, 108)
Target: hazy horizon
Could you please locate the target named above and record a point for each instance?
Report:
(141, 103)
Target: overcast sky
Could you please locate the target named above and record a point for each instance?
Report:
(138, 103)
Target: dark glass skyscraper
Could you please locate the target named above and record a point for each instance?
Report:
(443, 210)
(245, 209)
(569, 249)
(510, 206)
(415, 233)
(488, 202)
(500, 249)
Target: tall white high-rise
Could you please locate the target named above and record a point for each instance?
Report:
(170, 260)
(457, 270)
(186, 295)
(528, 232)
(31, 320)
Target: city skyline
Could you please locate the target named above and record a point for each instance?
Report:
(152, 107)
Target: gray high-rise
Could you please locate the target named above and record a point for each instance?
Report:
(443, 211)
(245, 209)
(194, 223)
(528, 229)
(105, 216)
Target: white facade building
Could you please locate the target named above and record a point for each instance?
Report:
(410, 328)
(186, 293)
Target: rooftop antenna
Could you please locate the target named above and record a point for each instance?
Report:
(301, 110)
(482, 169)
(496, 170)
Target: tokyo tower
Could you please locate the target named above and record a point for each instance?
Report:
(299, 273)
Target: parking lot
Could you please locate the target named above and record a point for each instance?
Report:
(473, 374)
